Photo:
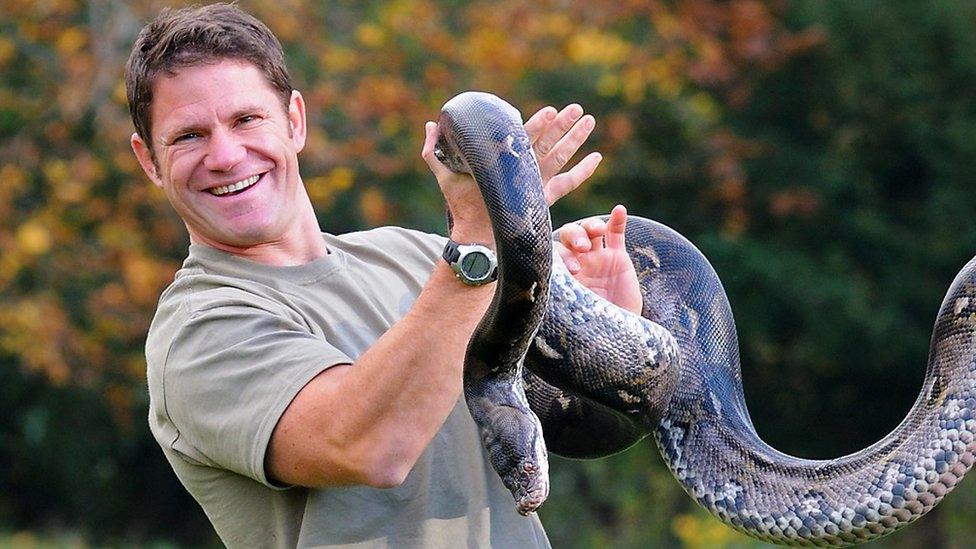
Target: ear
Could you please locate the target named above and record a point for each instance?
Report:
(296, 117)
(145, 158)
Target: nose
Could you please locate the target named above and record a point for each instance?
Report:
(224, 151)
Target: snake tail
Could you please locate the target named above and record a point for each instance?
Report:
(708, 441)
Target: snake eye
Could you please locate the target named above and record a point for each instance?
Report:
(446, 154)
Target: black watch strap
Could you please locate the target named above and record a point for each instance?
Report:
(451, 252)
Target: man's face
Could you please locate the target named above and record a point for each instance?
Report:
(227, 154)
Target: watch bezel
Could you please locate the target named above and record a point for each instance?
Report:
(465, 250)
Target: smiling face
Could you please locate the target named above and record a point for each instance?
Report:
(226, 155)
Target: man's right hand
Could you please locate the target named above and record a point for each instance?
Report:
(463, 197)
(555, 136)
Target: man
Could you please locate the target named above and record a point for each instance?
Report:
(304, 386)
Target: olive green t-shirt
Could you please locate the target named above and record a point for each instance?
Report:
(233, 341)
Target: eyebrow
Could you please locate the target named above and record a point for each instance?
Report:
(251, 109)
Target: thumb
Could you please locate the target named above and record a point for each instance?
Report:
(439, 170)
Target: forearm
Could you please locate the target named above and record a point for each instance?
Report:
(368, 424)
(412, 375)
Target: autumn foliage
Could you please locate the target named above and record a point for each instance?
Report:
(702, 107)
(88, 243)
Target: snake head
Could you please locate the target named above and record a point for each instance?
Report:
(448, 154)
(530, 497)
(512, 436)
(475, 117)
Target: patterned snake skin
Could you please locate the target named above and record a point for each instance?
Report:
(599, 379)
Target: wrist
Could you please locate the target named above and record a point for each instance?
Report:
(446, 279)
(474, 264)
(467, 232)
(482, 238)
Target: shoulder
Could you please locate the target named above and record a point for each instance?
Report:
(399, 238)
(415, 250)
(195, 292)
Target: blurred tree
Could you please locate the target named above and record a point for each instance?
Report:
(816, 151)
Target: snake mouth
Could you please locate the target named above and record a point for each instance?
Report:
(530, 502)
(533, 490)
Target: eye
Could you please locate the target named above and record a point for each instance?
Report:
(247, 119)
(185, 137)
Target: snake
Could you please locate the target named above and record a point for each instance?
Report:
(553, 367)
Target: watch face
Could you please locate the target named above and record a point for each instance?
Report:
(476, 265)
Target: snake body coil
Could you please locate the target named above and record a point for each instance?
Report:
(599, 378)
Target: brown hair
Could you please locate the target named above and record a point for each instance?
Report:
(194, 36)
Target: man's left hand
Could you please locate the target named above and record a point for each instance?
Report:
(556, 136)
(594, 252)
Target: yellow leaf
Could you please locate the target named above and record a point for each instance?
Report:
(370, 35)
(664, 74)
(33, 238)
(597, 48)
(56, 171)
(118, 93)
(608, 85)
(704, 106)
(323, 189)
(142, 278)
(666, 24)
(71, 40)
(10, 264)
(704, 532)
(390, 125)
(376, 209)
(25, 323)
(124, 160)
(341, 178)
(12, 177)
(553, 24)
(7, 50)
(634, 84)
(338, 59)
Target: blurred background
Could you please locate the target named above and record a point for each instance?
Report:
(818, 152)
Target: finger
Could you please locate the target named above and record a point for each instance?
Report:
(574, 237)
(596, 229)
(569, 258)
(430, 140)
(566, 147)
(560, 185)
(616, 227)
(538, 122)
(556, 129)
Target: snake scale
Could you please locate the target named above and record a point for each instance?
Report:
(553, 367)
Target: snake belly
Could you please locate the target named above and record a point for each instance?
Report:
(598, 379)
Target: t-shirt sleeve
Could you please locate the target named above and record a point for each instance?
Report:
(230, 372)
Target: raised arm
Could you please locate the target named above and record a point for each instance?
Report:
(368, 423)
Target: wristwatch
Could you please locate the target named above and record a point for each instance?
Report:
(474, 264)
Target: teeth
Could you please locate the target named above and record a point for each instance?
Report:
(224, 189)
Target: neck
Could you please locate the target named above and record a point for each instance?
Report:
(299, 245)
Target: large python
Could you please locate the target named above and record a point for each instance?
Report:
(553, 367)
